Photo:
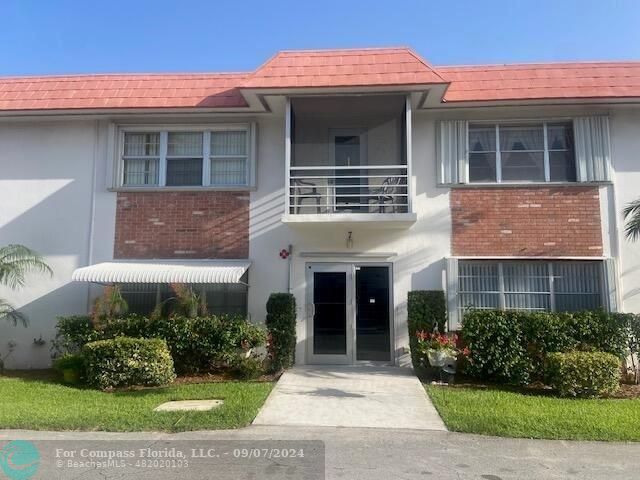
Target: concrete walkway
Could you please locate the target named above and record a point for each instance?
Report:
(345, 396)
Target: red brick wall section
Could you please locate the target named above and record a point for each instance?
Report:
(182, 225)
(536, 221)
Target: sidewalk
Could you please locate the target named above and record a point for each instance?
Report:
(381, 454)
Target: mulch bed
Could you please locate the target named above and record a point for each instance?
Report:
(216, 377)
(50, 375)
(626, 391)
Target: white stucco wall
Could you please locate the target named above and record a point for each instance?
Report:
(625, 146)
(46, 177)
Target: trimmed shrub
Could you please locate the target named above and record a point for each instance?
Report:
(597, 330)
(543, 333)
(196, 344)
(72, 333)
(281, 323)
(512, 346)
(583, 374)
(124, 362)
(497, 346)
(203, 343)
(248, 368)
(69, 361)
(426, 309)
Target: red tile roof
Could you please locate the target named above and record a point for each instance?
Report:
(319, 69)
(121, 91)
(542, 81)
(344, 68)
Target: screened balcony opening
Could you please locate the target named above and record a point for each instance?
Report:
(348, 155)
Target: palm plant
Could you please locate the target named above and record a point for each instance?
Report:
(108, 307)
(15, 262)
(632, 216)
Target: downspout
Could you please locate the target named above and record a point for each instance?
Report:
(616, 242)
(290, 272)
(92, 211)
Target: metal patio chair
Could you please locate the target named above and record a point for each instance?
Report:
(386, 194)
(305, 191)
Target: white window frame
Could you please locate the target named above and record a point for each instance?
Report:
(163, 130)
(124, 158)
(209, 157)
(532, 122)
(166, 157)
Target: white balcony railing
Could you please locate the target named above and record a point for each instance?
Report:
(348, 189)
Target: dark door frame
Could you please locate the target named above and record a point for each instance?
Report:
(350, 358)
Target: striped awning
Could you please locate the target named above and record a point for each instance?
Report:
(164, 271)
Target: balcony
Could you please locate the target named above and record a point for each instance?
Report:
(348, 160)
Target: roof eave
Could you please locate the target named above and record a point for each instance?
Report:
(127, 111)
(288, 89)
(539, 101)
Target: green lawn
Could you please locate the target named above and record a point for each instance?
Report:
(46, 405)
(512, 414)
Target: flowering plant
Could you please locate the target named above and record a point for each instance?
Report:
(438, 345)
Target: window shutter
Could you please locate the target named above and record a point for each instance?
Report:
(593, 154)
(114, 161)
(452, 151)
(611, 288)
(452, 293)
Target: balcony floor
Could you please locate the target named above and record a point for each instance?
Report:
(376, 220)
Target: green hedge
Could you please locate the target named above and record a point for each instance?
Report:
(72, 333)
(196, 344)
(425, 310)
(124, 362)
(511, 346)
(583, 374)
(281, 323)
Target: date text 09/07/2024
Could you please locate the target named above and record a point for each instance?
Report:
(178, 453)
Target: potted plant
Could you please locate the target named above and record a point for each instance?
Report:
(437, 348)
(71, 367)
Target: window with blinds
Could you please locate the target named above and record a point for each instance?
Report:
(506, 151)
(529, 285)
(531, 152)
(229, 157)
(184, 159)
(216, 157)
(141, 158)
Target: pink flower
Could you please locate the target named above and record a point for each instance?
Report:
(422, 335)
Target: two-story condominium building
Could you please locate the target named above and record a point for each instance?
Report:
(347, 177)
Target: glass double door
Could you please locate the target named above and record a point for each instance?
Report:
(349, 313)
